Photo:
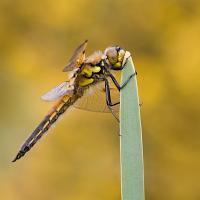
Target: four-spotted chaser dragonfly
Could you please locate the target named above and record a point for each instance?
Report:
(90, 78)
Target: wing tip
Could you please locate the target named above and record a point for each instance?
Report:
(71, 63)
(44, 98)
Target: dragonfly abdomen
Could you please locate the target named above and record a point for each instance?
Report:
(46, 124)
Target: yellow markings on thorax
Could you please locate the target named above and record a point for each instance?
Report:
(86, 73)
(89, 70)
(96, 69)
(85, 81)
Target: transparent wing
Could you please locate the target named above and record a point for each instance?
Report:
(77, 58)
(95, 99)
(58, 91)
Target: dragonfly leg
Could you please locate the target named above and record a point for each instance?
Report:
(108, 99)
(119, 87)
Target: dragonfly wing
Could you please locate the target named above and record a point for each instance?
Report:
(95, 99)
(63, 89)
(77, 58)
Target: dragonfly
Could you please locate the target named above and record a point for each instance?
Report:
(90, 79)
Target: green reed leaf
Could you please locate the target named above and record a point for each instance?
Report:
(131, 149)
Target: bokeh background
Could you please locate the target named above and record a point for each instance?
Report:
(79, 159)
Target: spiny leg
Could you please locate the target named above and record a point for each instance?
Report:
(108, 99)
(119, 87)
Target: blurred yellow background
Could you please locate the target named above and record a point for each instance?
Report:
(79, 159)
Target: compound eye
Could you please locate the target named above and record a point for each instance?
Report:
(121, 54)
(112, 55)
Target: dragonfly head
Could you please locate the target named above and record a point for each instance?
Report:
(116, 57)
